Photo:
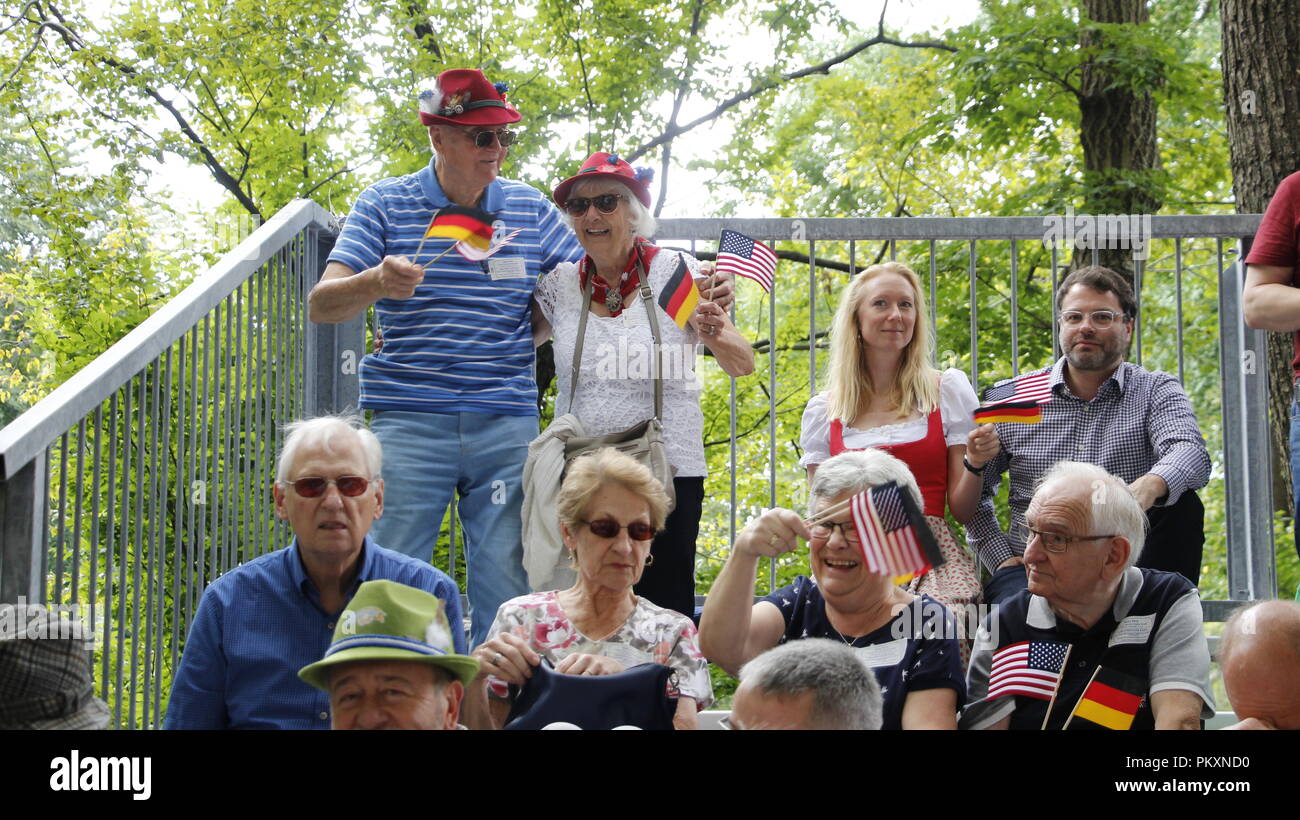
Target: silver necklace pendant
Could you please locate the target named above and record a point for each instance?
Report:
(613, 301)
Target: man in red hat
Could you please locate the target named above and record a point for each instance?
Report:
(452, 382)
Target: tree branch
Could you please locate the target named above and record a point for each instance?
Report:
(823, 67)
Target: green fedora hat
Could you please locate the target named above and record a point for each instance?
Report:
(388, 621)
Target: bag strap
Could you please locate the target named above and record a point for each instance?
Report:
(647, 299)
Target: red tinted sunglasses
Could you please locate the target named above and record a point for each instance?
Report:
(608, 528)
(314, 487)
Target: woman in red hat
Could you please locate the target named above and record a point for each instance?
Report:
(608, 204)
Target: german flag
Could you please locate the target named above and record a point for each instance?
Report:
(680, 296)
(1111, 701)
(1024, 412)
(468, 225)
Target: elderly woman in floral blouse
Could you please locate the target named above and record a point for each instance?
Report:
(610, 508)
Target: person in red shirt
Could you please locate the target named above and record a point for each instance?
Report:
(1272, 295)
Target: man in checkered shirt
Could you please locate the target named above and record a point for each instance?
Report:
(1135, 423)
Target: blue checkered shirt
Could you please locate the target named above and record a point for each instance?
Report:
(260, 623)
(1139, 422)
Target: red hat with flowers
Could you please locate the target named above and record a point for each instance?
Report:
(606, 165)
(464, 97)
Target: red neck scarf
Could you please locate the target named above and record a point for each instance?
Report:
(628, 282)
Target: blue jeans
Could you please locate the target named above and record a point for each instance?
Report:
(1295, 467)
(426, 457)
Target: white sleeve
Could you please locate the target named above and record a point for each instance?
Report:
(1180, 657)
(957, 401)
(815, 435)
(547, 292)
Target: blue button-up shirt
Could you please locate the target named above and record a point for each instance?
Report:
(260, 623)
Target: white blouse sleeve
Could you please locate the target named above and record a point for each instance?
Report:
(957, 401)
(815, 435)
(547, 292)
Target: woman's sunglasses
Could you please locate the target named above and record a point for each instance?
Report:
(349, 485)
(605, 203)
(608, 528)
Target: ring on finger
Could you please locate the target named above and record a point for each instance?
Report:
(496, 659)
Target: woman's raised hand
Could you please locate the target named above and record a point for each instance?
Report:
(507, 656)
(775, 532)
(982, 445)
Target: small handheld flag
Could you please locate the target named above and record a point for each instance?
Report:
(1111, 700)
(460, 224)
(473, 254)
(747, 257)
(1031, 668)
(680, 296)
(892, 534)
(1023, 405)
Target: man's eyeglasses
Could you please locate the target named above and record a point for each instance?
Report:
(605, 203)
(1054, 541)
(1101, 319)
(314, 487)
(483, 139)
(608, 528)
(825, 528)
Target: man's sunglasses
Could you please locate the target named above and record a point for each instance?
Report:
(483, 139)
(608, 528)
(314, 487)
(605, 203)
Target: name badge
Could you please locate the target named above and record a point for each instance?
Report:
(509, 267)
(882, 654)
(633, 314)
(1133, 629)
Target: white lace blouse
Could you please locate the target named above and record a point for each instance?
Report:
(615, 379)
(956, 402)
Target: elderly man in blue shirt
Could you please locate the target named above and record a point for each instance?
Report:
(258, 624)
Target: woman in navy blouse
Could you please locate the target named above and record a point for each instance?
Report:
(908, 641)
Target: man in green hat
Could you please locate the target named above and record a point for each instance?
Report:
(392, 662)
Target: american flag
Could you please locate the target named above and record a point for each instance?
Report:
(747, 257)
(1031, 388)
(893, 536)
(1030, 668)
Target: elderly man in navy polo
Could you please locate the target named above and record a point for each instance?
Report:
(258, 624)
(452, 384)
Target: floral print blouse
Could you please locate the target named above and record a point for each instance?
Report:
(651, 634)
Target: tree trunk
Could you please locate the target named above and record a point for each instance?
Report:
(1117, 129)
(1261, 87)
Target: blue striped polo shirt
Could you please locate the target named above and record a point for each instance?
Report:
(463, 343)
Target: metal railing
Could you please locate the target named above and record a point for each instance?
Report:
(146, 475)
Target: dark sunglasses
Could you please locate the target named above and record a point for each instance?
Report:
(483, 139)
(605, 203)
(608, 528)
(314, 487)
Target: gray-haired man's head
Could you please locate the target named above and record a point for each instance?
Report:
(812, 683)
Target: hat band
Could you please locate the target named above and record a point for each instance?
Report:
(393, 641)
(449, 112)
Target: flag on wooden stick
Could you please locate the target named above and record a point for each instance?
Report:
(892, 533)
(747, 257)
(469, 225)
(680, 296)
(1031, 668)
(1111, 700)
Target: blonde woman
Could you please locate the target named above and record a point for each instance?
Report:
(884, 394)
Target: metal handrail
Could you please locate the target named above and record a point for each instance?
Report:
(35, 429)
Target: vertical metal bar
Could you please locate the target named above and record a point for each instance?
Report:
(122, 548)
(238, 433)
(771, 421)
(1178, 304)
(138, 530)
(934, 309)
(229, 472)
(974, 325)
(207, 483)
(731, 448)
(77, 510)
(853, 261)
(1056, 337)
(181, 493)
(109, 540)
(262, 437)
(893, 251)
(94, 529)
(151, 545)
(281, 370)
(812, 318)
(61, 517)
(1137, 297)
(213, 477)
(39, 567)
(24, 509)
(161, 518)
(1015, 309)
